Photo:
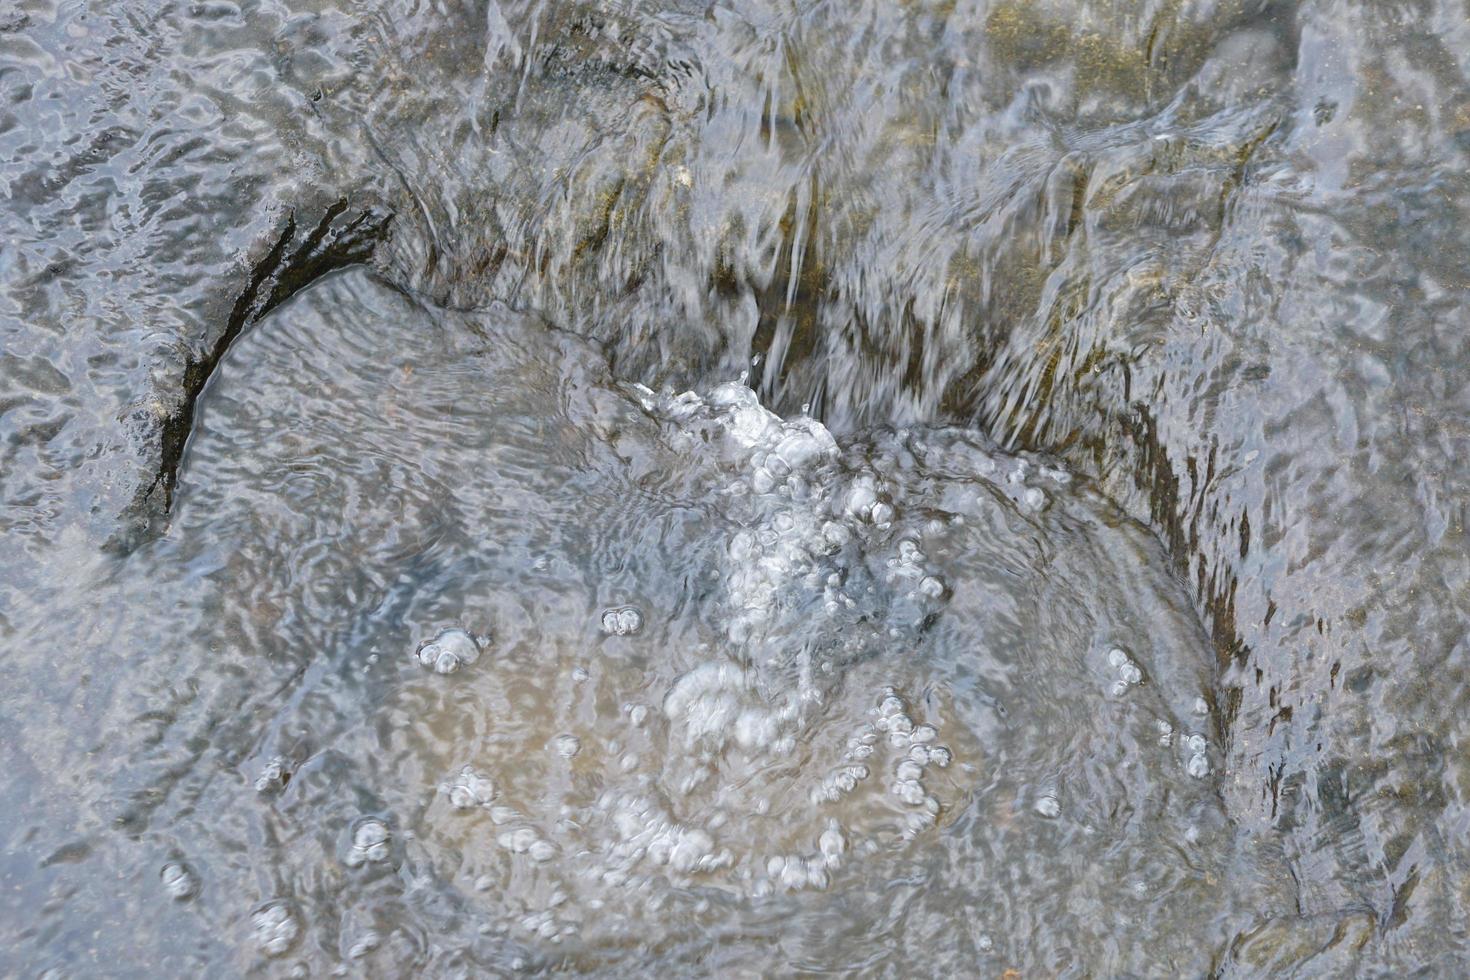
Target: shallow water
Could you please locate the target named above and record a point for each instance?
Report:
(766, 397)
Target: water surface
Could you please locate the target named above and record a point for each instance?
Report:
(742, 378)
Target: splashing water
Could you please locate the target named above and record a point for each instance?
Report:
(572, 661)
(1210, 253)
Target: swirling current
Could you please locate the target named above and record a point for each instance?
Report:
(762, 488)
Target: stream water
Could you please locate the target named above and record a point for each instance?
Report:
(744, 489)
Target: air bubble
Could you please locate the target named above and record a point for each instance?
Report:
(370, 842)
(910, 791)
(469, 789)
(794, 875)
(519, 840)
(368, 942)
(622, 621)
(275, 928)
(178, 881)
(449, 650)
(1128, 672)
(273, 776)
(861, 497)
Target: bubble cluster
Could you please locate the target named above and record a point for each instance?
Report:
(813, 525)
(785, 481)
(275, 928)
(1127, 672)
(839, 783)
(863, 503)
(910, 568)
(527, 841)
(546, 925)
(622, 621)
(1198, 765)
(370, 842)
(648, 838)
(762, 764)
(715, 704)
(469, 789)
(796, 872)
(449, 650)
(917, 748)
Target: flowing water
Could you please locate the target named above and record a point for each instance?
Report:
(897, 489)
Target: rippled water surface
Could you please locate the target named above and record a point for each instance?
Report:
(627, 488)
